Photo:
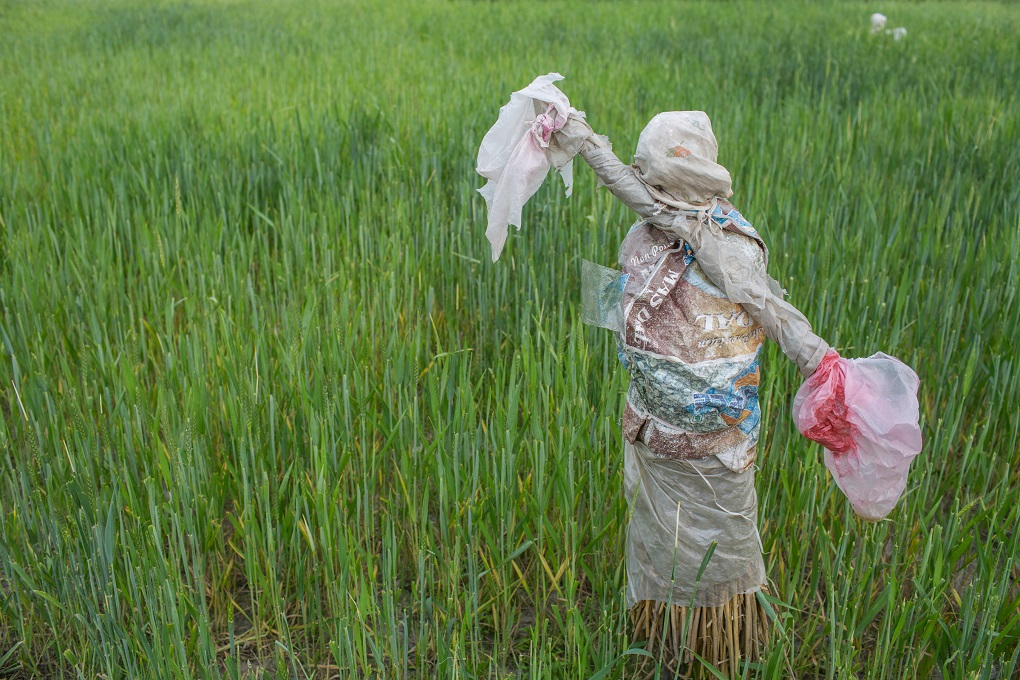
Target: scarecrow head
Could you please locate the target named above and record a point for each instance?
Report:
(676, 158)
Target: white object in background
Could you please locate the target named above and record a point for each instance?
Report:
(513, 155)
(877, 23)
(897, 33)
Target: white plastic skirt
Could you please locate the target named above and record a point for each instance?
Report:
(678, 508)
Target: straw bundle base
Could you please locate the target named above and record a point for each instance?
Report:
(720, 635)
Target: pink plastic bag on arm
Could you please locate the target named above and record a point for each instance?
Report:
(864, 412)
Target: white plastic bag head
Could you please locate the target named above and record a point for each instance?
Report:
(676, 159)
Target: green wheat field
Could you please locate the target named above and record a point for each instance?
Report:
(269, 411)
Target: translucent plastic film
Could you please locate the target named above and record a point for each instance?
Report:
(515, 155)
(865, 413)
(602, 296)
(679, 509)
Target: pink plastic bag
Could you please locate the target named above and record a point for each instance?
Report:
(864, 412)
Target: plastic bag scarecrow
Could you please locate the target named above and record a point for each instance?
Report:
(691, 308)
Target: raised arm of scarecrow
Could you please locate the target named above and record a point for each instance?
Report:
(729, 269)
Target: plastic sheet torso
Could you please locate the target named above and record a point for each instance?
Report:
(691, 352)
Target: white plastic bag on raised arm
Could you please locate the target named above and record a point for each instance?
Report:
(514, 154)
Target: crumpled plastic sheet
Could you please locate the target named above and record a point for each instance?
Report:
(514, 155)
(865, 413)
(679, 508)
(602, 296)
(676, 159)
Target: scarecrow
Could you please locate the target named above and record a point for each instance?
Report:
(692, 307)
